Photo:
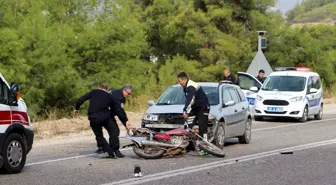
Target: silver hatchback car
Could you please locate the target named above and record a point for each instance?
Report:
(228, 106)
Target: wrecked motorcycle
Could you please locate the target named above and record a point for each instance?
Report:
(148, 144)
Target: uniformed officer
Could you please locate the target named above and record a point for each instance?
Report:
(101, 103)
(197, 100)
(120, 95)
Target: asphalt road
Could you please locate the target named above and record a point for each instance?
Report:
(313, 161)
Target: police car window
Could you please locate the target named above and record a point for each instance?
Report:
(316, 83)
(310, 84)
(246, 82)
(284, 83)
(226, 96)
(234, 95)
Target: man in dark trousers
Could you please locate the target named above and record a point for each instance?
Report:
(120, 95)
(230, 77)
(101, 103)
(198, 101)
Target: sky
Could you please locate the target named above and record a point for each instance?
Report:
(286, 4)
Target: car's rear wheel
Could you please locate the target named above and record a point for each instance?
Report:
(246, 138)
(320, 114)
(14, 154)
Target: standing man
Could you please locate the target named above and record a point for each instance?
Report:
(228, 76)
(120, 96)
(198, 101)
(261, 75)
(101, 102)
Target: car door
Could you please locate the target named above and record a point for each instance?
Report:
(227, 111)
(313, 98)
(245, 82)
(5, 109)
(238, 117)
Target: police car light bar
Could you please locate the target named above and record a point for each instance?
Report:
(292, 69)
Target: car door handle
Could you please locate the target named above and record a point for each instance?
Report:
(236, 110)
(243, 108)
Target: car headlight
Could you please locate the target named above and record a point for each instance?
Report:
(259, 98)
(296, 99)
(150, 117)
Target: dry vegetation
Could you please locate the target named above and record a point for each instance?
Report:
(66, 126)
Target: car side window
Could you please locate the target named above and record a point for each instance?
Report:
(4, 91)
(226, 95)
(234, 95)
(246, 82)
(316, 83)
(241, 95)
(309, 84)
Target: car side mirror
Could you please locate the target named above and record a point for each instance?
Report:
(254, 89)
(313, 90)
(14, 94)
(229, 103)
(151, 102)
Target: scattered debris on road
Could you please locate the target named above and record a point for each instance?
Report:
(137, 171)
(287, 152)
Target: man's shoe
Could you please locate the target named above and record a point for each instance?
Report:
(111, 156)
(119, 154)
(203, 153)
(99, 150)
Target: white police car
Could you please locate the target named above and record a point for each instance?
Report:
(294, 92)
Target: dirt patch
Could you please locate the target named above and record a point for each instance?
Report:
(68, 126)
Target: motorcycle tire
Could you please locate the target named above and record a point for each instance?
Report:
(212, 149)
(141, 153)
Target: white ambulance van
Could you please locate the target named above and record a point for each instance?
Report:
(16, 133)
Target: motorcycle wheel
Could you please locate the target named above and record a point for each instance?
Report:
(211, 149)
(152, 155)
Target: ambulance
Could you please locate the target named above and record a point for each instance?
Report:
(16, 133)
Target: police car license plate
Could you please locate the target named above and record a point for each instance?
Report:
(275, 109)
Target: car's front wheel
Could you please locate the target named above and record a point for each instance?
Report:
(14, 154)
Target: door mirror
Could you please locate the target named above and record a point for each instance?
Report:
(151, 102)
(254, 89)
(14, 94)
(313, 90)
(229, 103)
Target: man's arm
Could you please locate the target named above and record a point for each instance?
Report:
(191, 94)
(82, 99)
(115, 104)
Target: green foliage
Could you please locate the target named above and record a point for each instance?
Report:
(312, 11)
(59, 50)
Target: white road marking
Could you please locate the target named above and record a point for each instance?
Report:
(66, 158)
(294, 124)
(260, 129)
(220, 163)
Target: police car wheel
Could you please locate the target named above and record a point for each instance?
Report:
(304, 117)
(14, 154)
(320, 114)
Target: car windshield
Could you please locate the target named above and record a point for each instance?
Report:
(175, 96)
(284, 83)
